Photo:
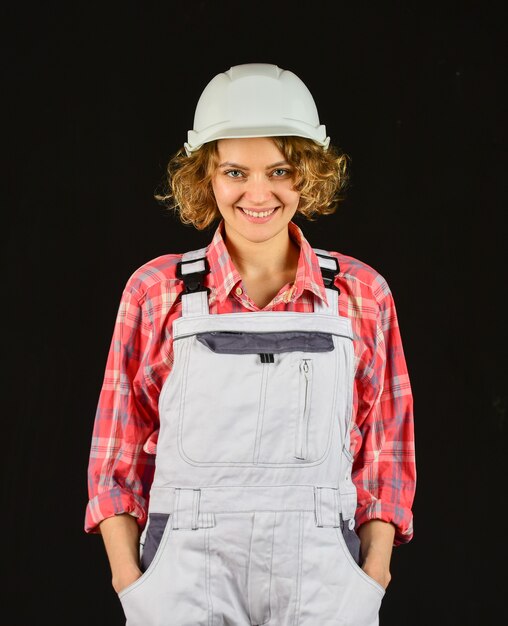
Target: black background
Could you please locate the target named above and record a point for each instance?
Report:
(98, 97)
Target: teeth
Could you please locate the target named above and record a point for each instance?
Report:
(258, 214)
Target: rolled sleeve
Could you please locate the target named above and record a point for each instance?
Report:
(384, 470)
(114, 501)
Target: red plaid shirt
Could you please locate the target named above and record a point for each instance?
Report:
(124, 440)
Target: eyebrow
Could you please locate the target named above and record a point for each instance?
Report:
(244, 167)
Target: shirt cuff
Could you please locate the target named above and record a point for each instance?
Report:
(114, 502)
(401, 517)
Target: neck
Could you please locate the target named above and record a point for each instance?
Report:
(257, 260)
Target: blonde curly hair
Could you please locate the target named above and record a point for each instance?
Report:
(320, 176)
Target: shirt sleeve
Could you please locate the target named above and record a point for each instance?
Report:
(384, 470)
(120, 472)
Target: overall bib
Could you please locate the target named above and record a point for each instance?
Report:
(251, 511)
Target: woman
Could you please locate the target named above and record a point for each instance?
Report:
(252, 459)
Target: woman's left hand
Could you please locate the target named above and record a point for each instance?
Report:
(376, 537)
(376, 569)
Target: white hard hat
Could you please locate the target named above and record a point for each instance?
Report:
(255, 100)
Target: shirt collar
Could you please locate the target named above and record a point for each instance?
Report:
(225, 276)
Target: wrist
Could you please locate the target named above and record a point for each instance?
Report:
(376, 538)
(377, 568)
(124, 575)
(373, 553)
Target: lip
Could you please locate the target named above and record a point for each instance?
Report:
(258, 210)
(258, 220)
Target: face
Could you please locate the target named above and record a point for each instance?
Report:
(253, 187)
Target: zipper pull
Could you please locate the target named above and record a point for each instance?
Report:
(305, 367)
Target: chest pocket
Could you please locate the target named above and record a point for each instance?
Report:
(258, 398)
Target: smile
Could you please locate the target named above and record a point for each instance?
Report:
(258, 213)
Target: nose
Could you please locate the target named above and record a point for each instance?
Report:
(258, 191)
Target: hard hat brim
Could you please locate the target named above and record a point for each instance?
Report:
(196, 141)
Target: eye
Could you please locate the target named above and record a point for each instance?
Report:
(281, 170)
(228, 172)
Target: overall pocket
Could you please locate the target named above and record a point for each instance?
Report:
(221, 405)
(249, 398)
(369, 582)
(156, 537)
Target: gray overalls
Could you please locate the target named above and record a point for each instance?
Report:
(251, 512)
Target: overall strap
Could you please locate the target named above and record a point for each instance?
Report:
(192, 269)
(329, 269)
(194, 266)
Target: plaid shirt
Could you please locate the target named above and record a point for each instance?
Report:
(124, 441)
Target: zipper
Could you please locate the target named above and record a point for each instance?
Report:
(303, 418)
(261, 412)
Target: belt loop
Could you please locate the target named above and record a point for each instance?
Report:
(326, 507)
(186, 509)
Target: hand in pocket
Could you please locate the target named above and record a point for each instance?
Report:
(378, 572)
(125, 578)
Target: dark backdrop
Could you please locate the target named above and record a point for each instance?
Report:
(98, 98)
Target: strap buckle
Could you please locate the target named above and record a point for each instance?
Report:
(193, 280)
(329, 274)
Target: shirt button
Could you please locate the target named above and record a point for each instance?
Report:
(238, 291)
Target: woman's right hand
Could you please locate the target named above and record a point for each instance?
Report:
(121, 538)
(125, 577)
